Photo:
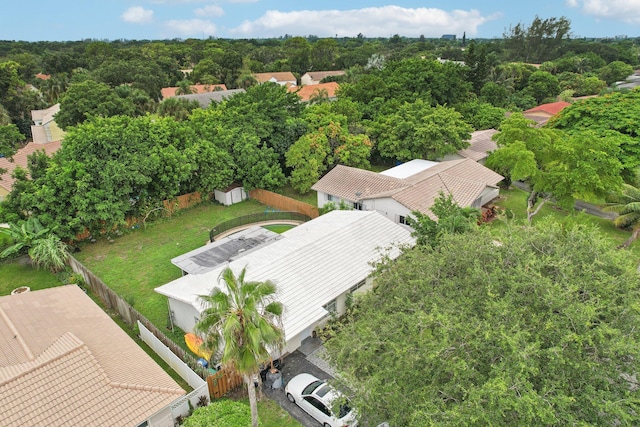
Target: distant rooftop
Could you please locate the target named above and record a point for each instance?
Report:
(221, 251)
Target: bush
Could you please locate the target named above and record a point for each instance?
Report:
(220, 413)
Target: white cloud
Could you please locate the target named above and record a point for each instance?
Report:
(137, 15)
(621, 10)
(190, 27)
(372, 22)
(210, 10)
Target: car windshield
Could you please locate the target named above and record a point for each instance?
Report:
(314, 385)
(345, 408)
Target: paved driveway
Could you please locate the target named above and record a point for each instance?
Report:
(294, 364)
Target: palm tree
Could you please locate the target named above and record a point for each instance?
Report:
(243, 323)
(627, 205)
(184, 88)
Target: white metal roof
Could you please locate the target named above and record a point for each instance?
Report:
(409, 168)
(311, 264)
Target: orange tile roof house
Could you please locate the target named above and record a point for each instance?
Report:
(306, 93)
(64, 362)
(20, 159)
(315, 77)
(285, 78)
(411, 186)
(169, 92)
(542, 113)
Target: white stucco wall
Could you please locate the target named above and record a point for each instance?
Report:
(386, 206)
(487, 196)
(184, 315)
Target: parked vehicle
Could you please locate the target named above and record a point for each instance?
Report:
(318, 399)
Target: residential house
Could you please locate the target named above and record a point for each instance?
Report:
(315, 266)
(284, 78)
(307, 93)
(316, 77)
(20, 160)
(65, 362)
(206, 98)
(411, 186)
(542, 113)
(45, 128)
(480, 146)
(169, 92)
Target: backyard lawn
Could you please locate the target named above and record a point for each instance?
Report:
(136, 263)
(16, 273)
(514, 203)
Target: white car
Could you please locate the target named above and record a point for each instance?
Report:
(316, 398)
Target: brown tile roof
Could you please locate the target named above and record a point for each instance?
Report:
(284, 76)
(169, 92)
(465, 179)
(480, 145)
(63, 362)
(42, 76)
(354, 184)
(306, 92)
(319, 75)
(20, 159)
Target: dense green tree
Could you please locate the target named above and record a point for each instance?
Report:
(612, 116)
(323, 54)
(543, 85)
(505, 331)
(327, 144)
(481, 115)
(538, 42)
(449, 218)
(10, 139)
(297, 50)
(615, 71)
(475, 59)
(91, 99)
(243, 323)
(419, 131)
(555, 164)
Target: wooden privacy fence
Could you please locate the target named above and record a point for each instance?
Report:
(283, 203)
(223, 382)
(130, 315)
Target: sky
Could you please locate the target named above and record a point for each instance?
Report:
(71, 20)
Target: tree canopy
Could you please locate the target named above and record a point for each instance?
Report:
(530, 328)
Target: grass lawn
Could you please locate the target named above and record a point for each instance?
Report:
(278, 228)
(137, 262)
(272, 415)
(16, 273)
(514, 202)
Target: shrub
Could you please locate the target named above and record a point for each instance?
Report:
(220, 413)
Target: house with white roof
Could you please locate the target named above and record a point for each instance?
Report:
(411, 186)
(315, 266)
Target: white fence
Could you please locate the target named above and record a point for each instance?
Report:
(166, 416)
